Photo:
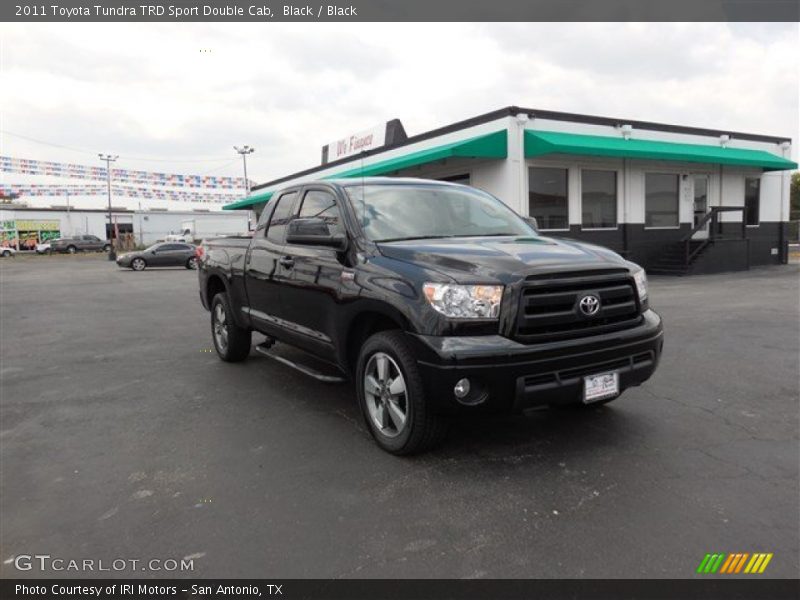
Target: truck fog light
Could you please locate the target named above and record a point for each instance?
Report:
(462, 388)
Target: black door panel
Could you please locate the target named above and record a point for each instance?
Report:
(264, 272)
(312, 291)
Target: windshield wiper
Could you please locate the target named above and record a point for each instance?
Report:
(495, 234)
(414, 237)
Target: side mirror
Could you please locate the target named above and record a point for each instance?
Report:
(314, 232)
(532, 222)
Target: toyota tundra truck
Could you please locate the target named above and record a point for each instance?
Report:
(434, 299)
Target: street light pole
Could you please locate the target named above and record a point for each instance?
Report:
(244, 151)
(109, 158)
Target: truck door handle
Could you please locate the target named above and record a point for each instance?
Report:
(286, 261)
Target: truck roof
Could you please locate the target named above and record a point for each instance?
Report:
(355, 181)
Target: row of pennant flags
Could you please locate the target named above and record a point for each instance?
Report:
(14, 190)
(138, 184)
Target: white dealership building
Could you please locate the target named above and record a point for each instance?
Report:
(673, 198)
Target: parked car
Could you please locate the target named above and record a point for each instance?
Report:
(80, 243)
(7, 251)
(436, 299)
(164, 254)
(44, 247)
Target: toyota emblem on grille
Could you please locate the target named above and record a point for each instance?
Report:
(589, 305)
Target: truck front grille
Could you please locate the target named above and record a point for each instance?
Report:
(549, 310)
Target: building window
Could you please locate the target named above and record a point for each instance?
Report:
(598, 199)
(752, 200)
(547, 197)
(661, 200)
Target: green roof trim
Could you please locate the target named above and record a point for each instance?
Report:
(491, 145)
(249, 201)
(540, 143)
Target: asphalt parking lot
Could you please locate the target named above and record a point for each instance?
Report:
(123, 436)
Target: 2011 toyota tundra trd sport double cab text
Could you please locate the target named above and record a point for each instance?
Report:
(434, 298)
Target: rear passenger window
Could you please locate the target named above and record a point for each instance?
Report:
(322, 205)
(281, 217)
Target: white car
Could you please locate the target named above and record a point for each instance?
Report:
(43, 248)
(7, 251)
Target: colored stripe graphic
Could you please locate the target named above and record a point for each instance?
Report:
(735, 562)
(741, 562)
(703, 563)
(729, 562)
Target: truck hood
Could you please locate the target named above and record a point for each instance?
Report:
(501, 259)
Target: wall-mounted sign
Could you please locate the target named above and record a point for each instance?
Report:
(387, 134)
(38, 225)
(369, 139)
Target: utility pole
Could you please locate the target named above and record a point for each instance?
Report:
(109, 158)
(244, 151)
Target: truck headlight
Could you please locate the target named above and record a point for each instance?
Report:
(641, 284)
(464, 301)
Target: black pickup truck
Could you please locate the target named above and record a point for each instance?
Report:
(434, 298)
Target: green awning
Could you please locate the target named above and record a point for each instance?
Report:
(491, 145)
(249, 201)
(541, 143)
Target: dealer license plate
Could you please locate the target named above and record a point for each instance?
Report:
(599, 387)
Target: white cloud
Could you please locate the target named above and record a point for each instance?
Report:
(149, 91)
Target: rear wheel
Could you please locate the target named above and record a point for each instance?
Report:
(6, 253)
(138, 264)
(107, 248)
(392, 397)
(231, 342)
(72, 249)
(191, 263)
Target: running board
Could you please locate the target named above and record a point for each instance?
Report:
(306, 370)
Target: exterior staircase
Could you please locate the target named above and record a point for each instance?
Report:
(679, 258)
(673, 260)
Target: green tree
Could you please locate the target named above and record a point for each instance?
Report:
(794, 195)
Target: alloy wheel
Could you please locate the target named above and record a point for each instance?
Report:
(220, 326)
(385, 394)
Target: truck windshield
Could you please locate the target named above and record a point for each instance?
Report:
(404, 212)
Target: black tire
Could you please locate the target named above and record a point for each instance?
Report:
(423, 429)
(238, 338)
(6, 253)
(191, 263)
(107, 248)
(138, 261)
(72, 249)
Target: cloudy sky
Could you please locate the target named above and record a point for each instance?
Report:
(149, 94)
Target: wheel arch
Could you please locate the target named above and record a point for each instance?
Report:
(365, 323)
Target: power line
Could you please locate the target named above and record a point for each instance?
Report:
(140, 158)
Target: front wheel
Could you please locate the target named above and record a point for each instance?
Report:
(6, 253)
(392, 397)
(138, 264)
(107, 248)
(72, 249)
(231, 342)
(191, 263)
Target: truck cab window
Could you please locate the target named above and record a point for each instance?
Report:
(322, 205)
(281, 216)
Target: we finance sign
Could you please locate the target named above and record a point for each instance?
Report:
(369, 139)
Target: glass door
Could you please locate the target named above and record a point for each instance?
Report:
(700, 205)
